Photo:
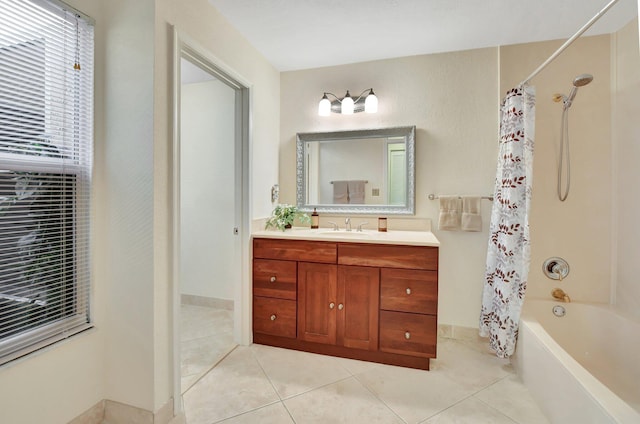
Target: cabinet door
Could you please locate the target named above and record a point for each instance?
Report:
(317, 306)
(358, 302)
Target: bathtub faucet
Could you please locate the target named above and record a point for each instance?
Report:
(559, 294)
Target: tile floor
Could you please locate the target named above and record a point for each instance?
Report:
(206, 337)
(262, 384)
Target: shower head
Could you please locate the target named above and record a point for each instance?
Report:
(579, 81)
(582, 80)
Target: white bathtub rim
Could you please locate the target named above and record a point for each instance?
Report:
(610, 403)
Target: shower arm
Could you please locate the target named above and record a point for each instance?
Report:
(570, 41)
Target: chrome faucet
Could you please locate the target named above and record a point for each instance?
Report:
(347, 223)
(560, 269)
(335, 226)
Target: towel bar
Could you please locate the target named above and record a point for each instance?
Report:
(434, 197)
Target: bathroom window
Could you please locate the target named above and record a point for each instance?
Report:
(46, 139)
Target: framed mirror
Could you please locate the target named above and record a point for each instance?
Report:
(357, 172)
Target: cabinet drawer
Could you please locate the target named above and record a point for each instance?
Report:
(409, 291)
(408, 334)
(274, 316)
(388, 256)
(295, 250)
(274, 278)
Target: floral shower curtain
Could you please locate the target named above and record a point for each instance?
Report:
(508, 252)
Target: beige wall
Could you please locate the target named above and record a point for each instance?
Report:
(127, 356)
(626, 137)
(579, 229)
(452, 100)
(128, 187)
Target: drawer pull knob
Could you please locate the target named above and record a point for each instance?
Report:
(341, 306)
(332, 305)
(408, 290)
(273, 279)
(407, 335)
(273, 317)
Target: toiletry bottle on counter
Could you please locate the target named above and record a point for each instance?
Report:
(382, 225)
(315, 219)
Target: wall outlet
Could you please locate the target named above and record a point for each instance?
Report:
(375, 192)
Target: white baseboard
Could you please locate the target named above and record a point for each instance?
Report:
(209, 302)
(459, 333)
(111, 412)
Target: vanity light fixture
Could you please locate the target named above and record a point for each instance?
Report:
(347, 105)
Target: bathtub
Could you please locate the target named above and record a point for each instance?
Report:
(583, 367)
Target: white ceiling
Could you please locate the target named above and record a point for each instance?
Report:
(301, 34)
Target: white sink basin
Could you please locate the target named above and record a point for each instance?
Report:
(345, 234)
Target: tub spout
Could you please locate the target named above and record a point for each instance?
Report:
(559, 294)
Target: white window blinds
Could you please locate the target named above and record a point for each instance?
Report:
(46, 138)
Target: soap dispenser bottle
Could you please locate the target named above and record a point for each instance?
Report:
(315, 219)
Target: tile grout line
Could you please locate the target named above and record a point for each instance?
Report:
(497, 410)
(270, 382)
(316, 388)
(380, 399)
(247, 412)
(468, 397)
(288, 412)
(306, 391)
(203, 374)
(491, 406)
(253, 353)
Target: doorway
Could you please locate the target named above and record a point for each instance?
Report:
(210, 216)
(396, 172)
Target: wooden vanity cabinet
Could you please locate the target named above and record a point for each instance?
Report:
(338, 305)
(364, 301)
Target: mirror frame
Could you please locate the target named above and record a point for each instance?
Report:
(409, 133)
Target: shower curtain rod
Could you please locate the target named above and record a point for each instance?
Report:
(570, 41)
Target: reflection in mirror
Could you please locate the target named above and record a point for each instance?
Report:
(363, 171)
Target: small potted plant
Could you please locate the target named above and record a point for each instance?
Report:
(283, 216)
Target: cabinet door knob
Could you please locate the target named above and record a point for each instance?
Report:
(341, 306)
(273, 317)
(332, 305)
(408, 290)
(273, 279)
(407, 335)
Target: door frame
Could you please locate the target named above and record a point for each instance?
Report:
(184, 47)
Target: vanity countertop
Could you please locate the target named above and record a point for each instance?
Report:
(413, 238)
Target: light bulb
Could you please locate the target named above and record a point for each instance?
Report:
(371, 103)
(324, 107)
(347, 104)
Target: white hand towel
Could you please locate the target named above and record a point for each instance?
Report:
(449, 219)
(340, 192)
(471, 219)
(356, 191)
